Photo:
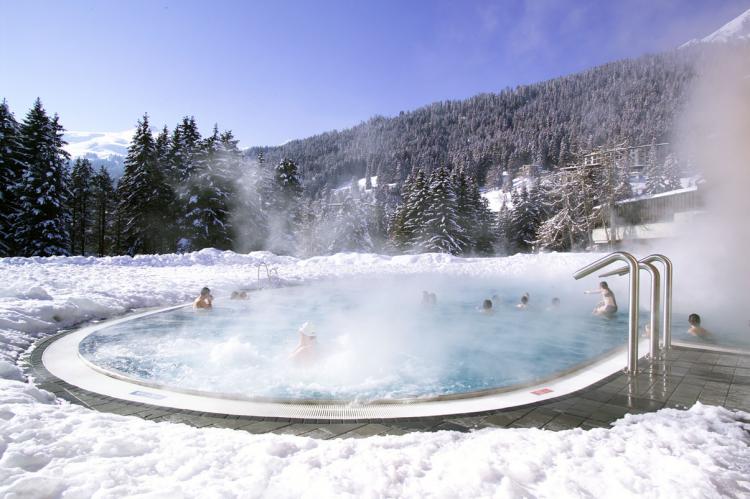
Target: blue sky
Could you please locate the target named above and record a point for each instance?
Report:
(277, 70)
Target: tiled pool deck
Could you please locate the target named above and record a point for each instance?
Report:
(684, 377)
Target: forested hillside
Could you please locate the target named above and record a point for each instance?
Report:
(632, 101)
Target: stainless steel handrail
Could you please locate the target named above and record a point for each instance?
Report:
(667, 314)
(633, 266)
(268, 273)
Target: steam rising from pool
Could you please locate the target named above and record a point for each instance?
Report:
(376, 340)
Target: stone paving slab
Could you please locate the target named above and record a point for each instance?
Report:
(685, 376)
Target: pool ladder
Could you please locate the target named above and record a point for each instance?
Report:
(633, 269)
(271, 274)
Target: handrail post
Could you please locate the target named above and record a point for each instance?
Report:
(667, 318)
(655, 308)
(633, 293)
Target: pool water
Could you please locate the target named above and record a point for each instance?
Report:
(376, 340)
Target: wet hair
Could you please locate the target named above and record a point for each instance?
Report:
(604, 285)
(694, 319)
(555, 300)
(487, 304)
(525, 299)
(243, 294)
(205, 291)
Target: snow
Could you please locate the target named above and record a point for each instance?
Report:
(50, 448)
(495, 198)
(738, 29)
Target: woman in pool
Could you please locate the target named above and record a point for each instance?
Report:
(306, 350)
(608, 306)
(695, 327)
(204, 301)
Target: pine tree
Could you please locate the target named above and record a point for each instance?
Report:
(351, 231)
(104, 206)
(81, 190)
(41, 226)
(502, 230)
(210, 193)
(11, 168)
(144, 197)
(284, 206)
(441, 231)
(662, 177)
(467, 206)
(524, 220)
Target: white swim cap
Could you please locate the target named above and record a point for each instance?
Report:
(308, 329)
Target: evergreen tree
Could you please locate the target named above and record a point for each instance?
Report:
(441, 231)
(351, 231)
(284, 207)
(502, 230)
(210, 193)
(524, 220)
(662, 177)
(104, 206)
(41, 226)
(144, 197)
(467, 206)
(11, 169)
(81, 187)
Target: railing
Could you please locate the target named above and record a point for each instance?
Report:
(271, 274)
(667, 302)
(633, 266)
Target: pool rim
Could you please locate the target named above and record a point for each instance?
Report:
(83, 374)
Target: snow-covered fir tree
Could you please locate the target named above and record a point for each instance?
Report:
(11, 169)
(42, 224)
(524, 220)
(81, 205)
(145, 197)
(441, 230)
(350, 228)
(249, 213)
(284, 206)
(209, 195)
(662, 177)
(502, 230)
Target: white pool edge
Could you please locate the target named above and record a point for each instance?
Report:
(61, 359)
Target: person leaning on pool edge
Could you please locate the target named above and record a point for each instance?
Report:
(204, 301)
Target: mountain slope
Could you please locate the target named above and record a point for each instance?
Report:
(736, 30)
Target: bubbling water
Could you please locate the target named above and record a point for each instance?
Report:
(375, 340)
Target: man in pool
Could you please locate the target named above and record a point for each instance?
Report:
(695, 327)
(487, 307)
(524, 302)
(306, 350)
(204, 301)
(608, 306)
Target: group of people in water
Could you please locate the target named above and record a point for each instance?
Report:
(306, 350)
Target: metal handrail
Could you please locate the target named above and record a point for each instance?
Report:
(633, 267)
(667, 314)
(268, 273)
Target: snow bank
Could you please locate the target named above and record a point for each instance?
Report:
(50, 448)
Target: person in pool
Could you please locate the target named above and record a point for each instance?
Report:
(695, 327)
(555, 304)
(524, 304)
(487, 307)
(608, 306)
(306, 350)
(204, 301)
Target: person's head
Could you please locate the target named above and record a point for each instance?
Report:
(433, 298)
(487, 305)
(307, 330)
(205, 292)
(694, 320)
(234, 296)
(525, 299)
(243, 294)
(555, 302)
(604, 285)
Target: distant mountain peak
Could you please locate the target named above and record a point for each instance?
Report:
(100, 145)
(738, 29)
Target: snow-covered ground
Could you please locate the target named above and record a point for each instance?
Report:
(49, 448)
